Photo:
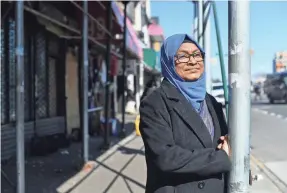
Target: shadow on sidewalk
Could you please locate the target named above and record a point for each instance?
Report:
(45, 174)
(126, 150)
(119, 173)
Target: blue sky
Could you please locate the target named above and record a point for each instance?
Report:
(268, 28)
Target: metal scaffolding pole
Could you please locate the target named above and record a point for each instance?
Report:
(20, 135)
(222, 66)
(195, 20)
(123, 130)
(200, 23)
(239, 81)
(207, 45)
(84, 90)
(107, 89)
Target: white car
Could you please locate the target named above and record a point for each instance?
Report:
(218, 92)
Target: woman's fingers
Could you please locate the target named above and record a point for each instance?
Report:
(222, 138)
(220, 146)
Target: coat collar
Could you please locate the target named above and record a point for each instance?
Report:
(185, 110)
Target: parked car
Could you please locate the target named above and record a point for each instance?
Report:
(218, 92)
(278, 88)
(268, 83)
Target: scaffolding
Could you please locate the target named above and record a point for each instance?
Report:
(79, 35)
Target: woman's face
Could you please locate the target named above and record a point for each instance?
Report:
(189, 64)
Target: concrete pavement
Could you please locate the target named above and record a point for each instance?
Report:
(123, 170)
(263, 184)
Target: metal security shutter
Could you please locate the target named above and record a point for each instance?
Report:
(12, 71)
(40, 77)
(27, 82)
(52, 88)
(3, 79)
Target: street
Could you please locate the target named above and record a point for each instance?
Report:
(269, 131)
(123, 168)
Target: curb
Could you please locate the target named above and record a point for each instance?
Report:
(90, 166)
(282, 186)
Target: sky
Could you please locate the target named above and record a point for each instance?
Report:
(268, 29)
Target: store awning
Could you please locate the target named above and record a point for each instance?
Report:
(155, 30)
(132, 39)
(150, 58)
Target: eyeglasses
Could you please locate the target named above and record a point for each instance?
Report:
(184, 58)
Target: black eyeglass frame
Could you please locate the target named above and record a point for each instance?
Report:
(193, 54)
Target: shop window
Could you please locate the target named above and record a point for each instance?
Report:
(97, 79)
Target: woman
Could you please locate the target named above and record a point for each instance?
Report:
(183, 127)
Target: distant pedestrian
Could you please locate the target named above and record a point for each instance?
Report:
(257, 91)
(183, 127)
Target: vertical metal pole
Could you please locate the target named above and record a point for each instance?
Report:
(115, 94)
(137, 87)
(107, 93)
(123, 131)
(207, 46)
(20, 133)
(222, 66)
(195, 21)
(85, 67)
(200, 22)
(141, 78)
(239, 109)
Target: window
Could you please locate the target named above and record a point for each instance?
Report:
(217, 87)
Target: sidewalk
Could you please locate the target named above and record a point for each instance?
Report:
(263, 184)
(123, 169)
(45, 174)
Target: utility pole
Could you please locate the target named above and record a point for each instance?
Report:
(200, 23)
(84, 90)
(20, 135)
(239, 82)
(207, 45)
(195, 21)
(123, 129)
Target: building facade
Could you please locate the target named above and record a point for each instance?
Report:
(52, 66)
(280, 62)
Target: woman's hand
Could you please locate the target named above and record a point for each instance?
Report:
(224, 145)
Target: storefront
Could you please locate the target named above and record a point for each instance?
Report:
(52, 67)
(44, 82)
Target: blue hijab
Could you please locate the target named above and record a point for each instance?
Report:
(194, 91)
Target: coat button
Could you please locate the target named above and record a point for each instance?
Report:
(201, 185)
